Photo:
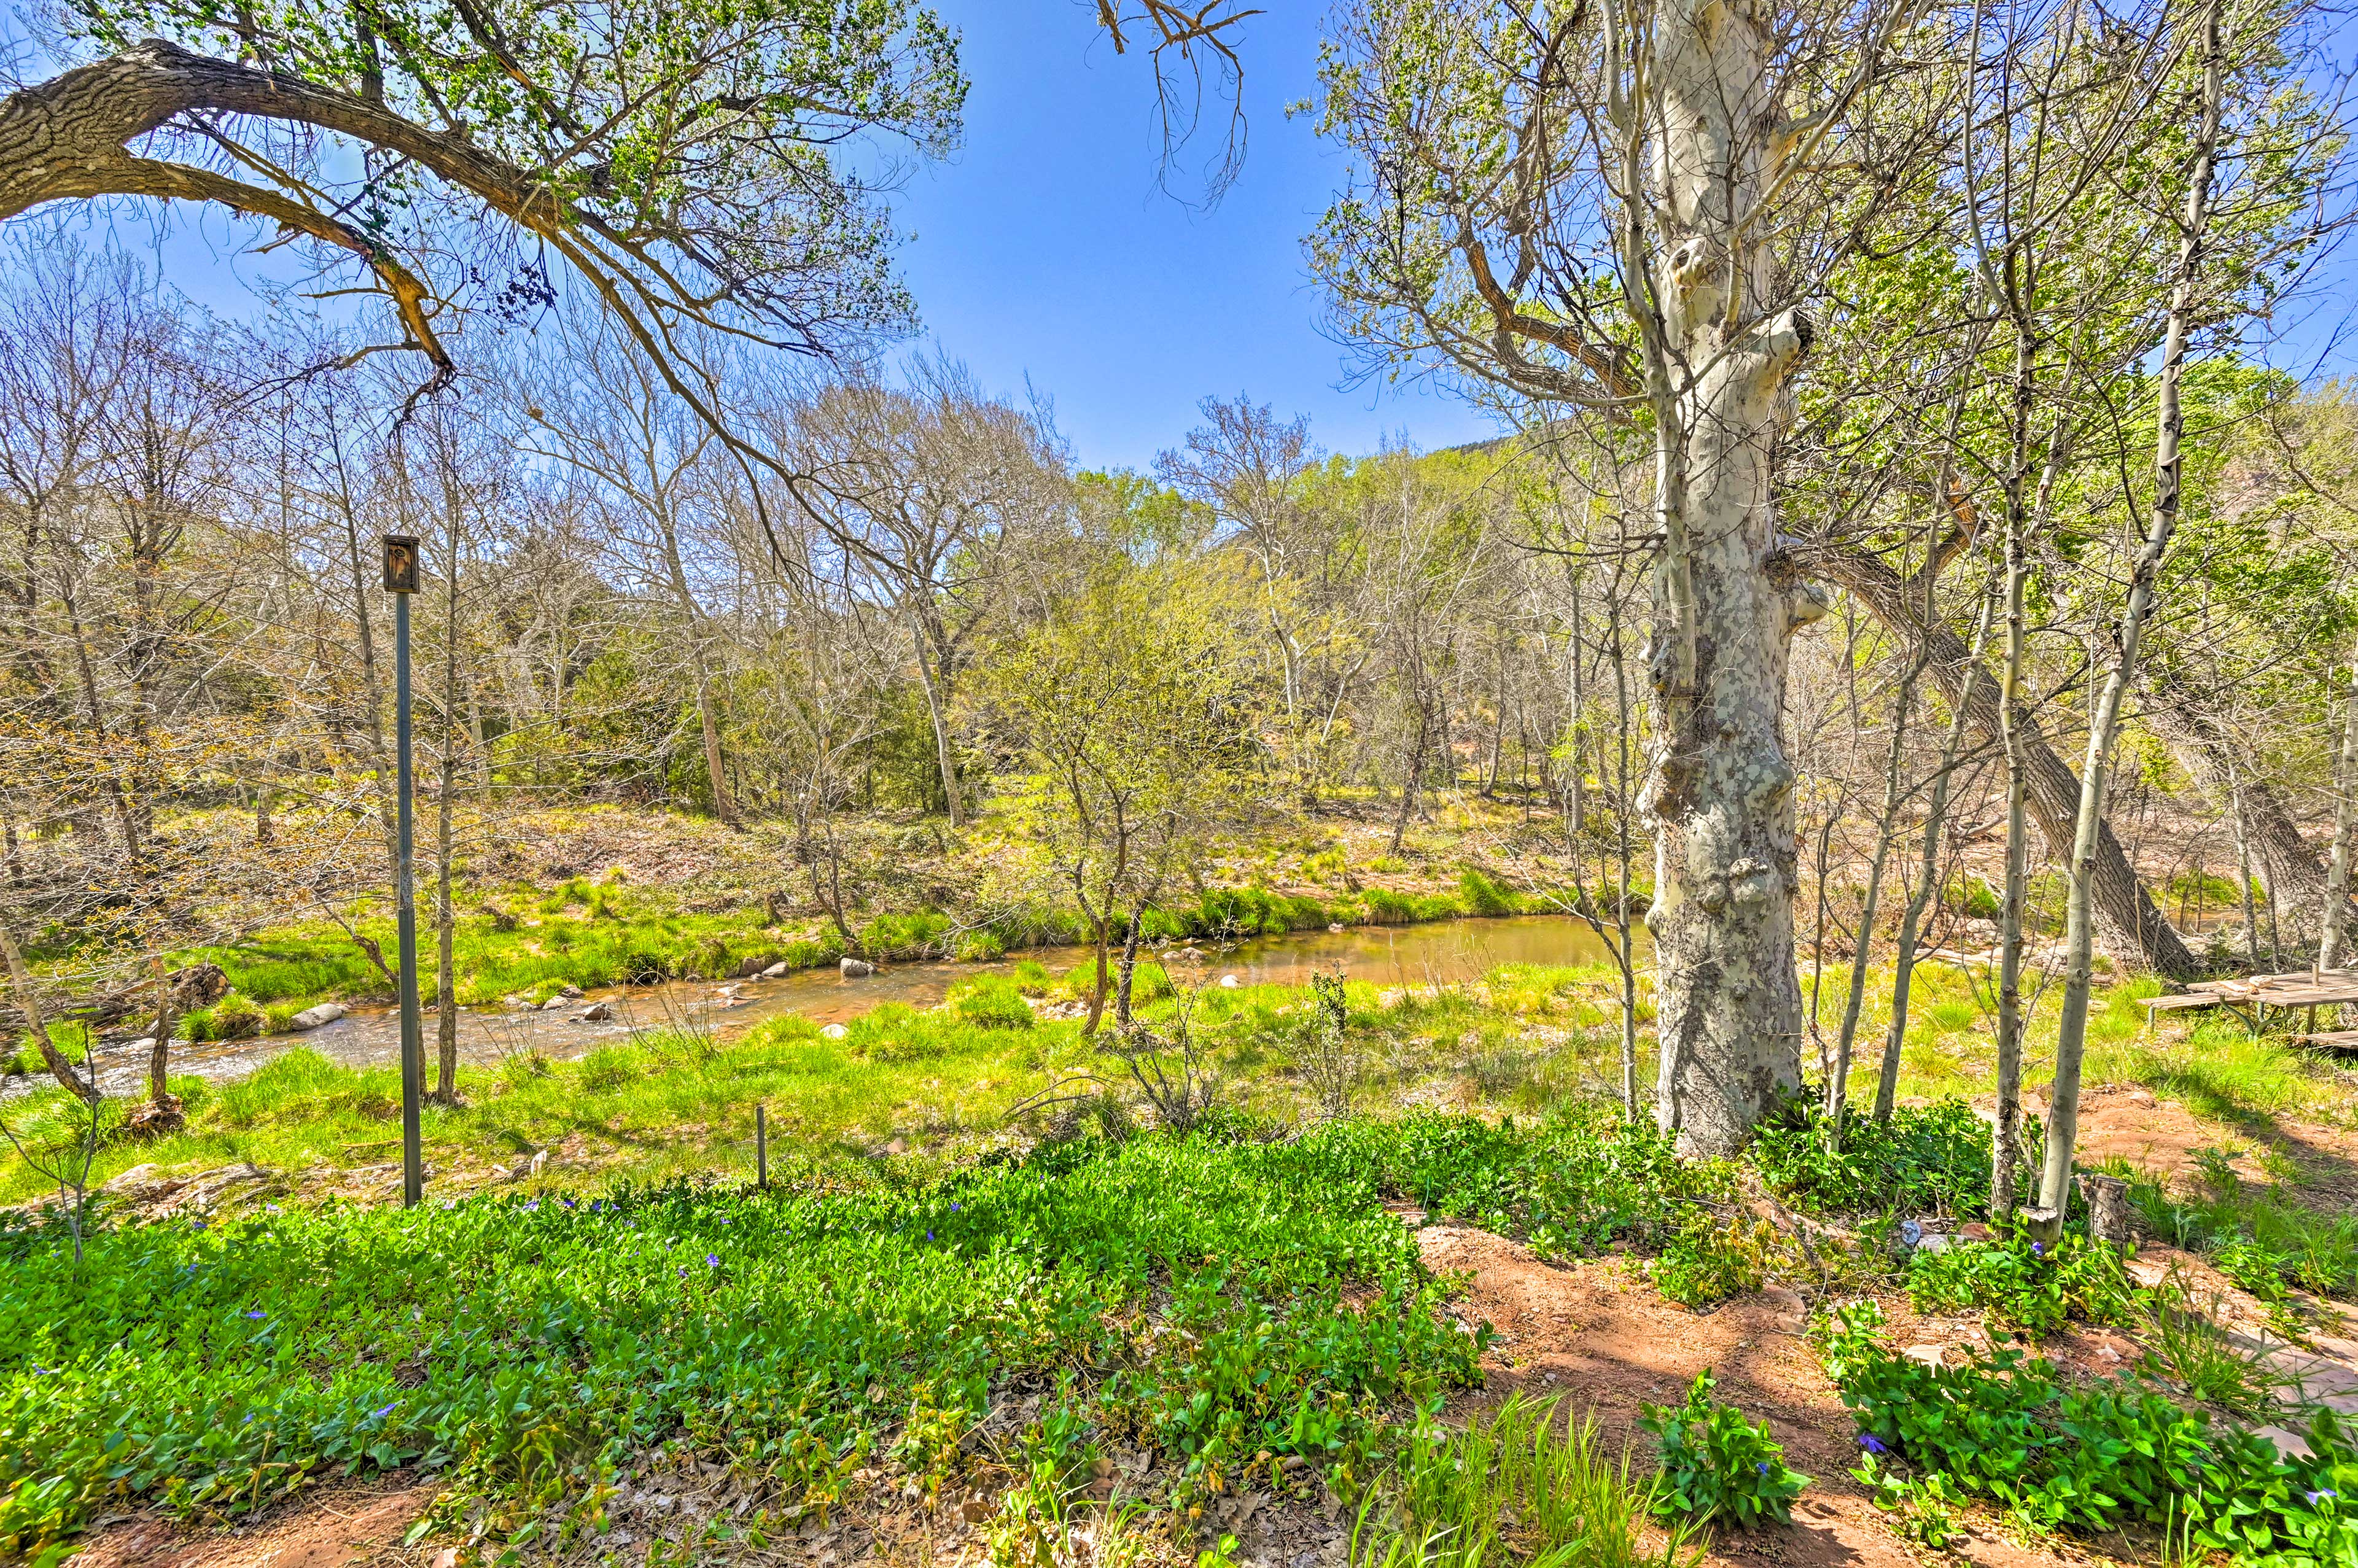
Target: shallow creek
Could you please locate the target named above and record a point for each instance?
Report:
(1443, 952)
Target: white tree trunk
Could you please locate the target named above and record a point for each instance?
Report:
(1721, 791)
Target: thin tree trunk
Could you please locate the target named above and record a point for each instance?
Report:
(1838, 1084)
(159, 1050)
(21, 982)
(2006, 1142)
(1624, 956)
(1928, 884)
(446, 975)
(1574, 740)
(2243, 870)
(941, 732)
(2333, 919)
(2134, 930)
(1128, 965)
(708, 717)
(2072, 1023)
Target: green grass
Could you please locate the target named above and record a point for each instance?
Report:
(1524, 1483)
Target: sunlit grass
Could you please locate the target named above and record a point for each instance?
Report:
(943, 1084)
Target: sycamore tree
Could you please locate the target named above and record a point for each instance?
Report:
(1133, 703)
(1615, 211)
(682, 158)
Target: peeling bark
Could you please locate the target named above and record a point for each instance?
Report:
(1725, 602)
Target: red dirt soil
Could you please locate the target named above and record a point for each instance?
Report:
(1602, 1337)
(340, 1527)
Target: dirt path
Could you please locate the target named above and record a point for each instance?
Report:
(1604, 1339)
(358, 1525)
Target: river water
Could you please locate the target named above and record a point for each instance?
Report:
(1442, 952)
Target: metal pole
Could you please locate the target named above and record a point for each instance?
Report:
(762, 1146)
(413, 1046)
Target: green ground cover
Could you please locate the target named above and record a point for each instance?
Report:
(940, 1230)
(527, 1344)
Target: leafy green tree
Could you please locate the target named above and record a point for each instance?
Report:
(1133, 702)
(681, 157)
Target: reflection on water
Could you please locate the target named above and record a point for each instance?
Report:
(1443, 952)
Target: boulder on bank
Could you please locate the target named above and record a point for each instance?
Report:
(778, 972)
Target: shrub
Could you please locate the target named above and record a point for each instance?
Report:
(1718, 1465)
(981, 947)
(1325, 1053)
(1708, 1259)
(2089, 1458)
(918, 935)
(2251, 1237)
(1926, 1159)
(1257, 1309)
(1521, 1484)
(2020, 1282)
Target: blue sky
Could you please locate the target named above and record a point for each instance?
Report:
(1044, 252)
(1045, 249)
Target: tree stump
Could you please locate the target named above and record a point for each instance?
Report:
(2107, 1198)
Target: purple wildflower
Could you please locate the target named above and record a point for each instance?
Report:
(712, 1259)
(1872, 1444)
(929, 1236)
(2039, 1250)
(1762, 1467)
(953, 1208)
(257, 1314)
(569, 1203)
(2318, 1496)
(381, 1413)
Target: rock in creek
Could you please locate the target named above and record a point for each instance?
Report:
(858, 968)
(313, 1016)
